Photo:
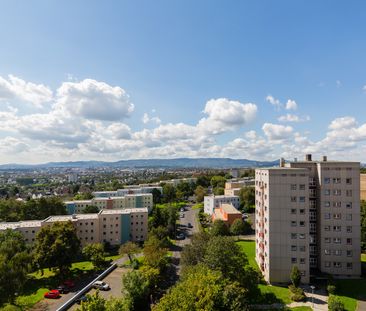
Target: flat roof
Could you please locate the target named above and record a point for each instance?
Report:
(20, 224)
(123, 211)
(229, 209)
(70, 217)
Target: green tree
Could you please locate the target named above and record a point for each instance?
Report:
(363, 225)
(118, 304)
(162, 234)
(335, 304)
(95, 253)
(91, 209)
(15, 263)
(130, 249)
(203, 181)
(136, 289)
(235, 297)
(200, 193)
(194, 253)
(219, 228)
(56, 246)
(169, 193)
(94, 303)
(217, 181)
(295, 276)
(218, 191)
(247, 198)
(156, 196)
(155, 253)
(239, 227)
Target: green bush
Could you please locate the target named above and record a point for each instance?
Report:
(331, 289)
(10, 308)
(335, 304)
(297, 293)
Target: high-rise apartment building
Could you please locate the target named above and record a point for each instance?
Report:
(308, 214)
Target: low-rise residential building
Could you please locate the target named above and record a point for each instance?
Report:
(233, 186)
(214, 201)
(227, 213)
(144, 200)
(133, 189)
(113, 226)
(363, 187)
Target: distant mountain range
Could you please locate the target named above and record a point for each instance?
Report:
(151, 163)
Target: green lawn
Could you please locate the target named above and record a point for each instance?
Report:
(197, 206)
(349, 291)
(248, 247)
(301, 309)
(363, 257)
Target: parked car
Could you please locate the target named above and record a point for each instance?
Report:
(182, 209)
(101, 285)
(180, 236)
(189, 225)
(245, 216)
(69, 283)
(81, 299)
(63, 289)
(52, 294)
(181, 215)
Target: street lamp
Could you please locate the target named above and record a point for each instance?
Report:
(312, 294)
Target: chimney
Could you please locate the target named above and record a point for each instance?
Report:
(282, 162)
(325, 158)
(308, 157)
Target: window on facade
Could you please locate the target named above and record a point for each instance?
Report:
(327, 204)
(348, 216)
(293, 224)
(293, 248)
(327, 240)
(349, 253)
(293, 199)
(349, 265)
(336, 180)
(327, 216)
(349, 241)
(302, 223)
(327, 180)
(302, 211)
(337, 216)
(302, 248)
(327, 252)
(337, 240)
(349, 229)
(337, 228)
(337, 264)
(337, 204)
(327, 264)
(302, 187)
(293, 235)
(349, 205)
(349, 181)
(302, 199)
(301, 236)
(348, 193)
(337, 192)
(302, 261)
(302, 272)
(293, 260)
(293, 211)
(326, 192)
(293, 187)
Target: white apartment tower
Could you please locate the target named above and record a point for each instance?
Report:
(308, 214)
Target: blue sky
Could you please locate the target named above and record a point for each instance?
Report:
(161, 79)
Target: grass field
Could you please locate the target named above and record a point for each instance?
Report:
(363, 257)
(270, 294)
(349, 291)
(301, 309)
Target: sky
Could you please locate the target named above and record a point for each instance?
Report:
(115, 80)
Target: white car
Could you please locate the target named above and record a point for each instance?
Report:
(101, 285)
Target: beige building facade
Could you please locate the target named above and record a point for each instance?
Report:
(363, 187)
(330, 216)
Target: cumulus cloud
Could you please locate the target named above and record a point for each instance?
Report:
(277, 132)
(224, 114)
(146, 119)
(18, 89)
(343, 123)
(273, 101)
(291, 105)
(94, 100)
(292, 118)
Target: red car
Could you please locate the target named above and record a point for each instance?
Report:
(69, 283)
(53, 294)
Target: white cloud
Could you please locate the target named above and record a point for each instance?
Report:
(18, 89)
(292, 118)
(225, 115)
(343, 123)
(273, 101)
(146, 119)
(277, 132)
(94, 100)
(291, 105)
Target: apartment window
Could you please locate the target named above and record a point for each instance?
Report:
(349, 265)
(294, 248)
(104, 233)
(348, 216)
(301, 236)
(327, 240)
(349, 253)
(91, 230)
(327, 204)
(302, 261)
(337, 216)
(337, 228)
(337, 204)
(302, 211)
(348, 193)
(336, 180)
(302, 248)
(349, 181)
(337, 240)
(293, 187)
(302, 199)
(104, 219)
(293, 224)
(326, 192)
(293, 260)
(337, 264)
(327, 264)
(91, 238)
(116, 225)
(349, 241)
(131, 223)
(349, 229)
(337, 192)
(349, 205)
(111, 232)
(327, 252)
(302, 187)
(293, 199)
(81, 224)
(92, 223)
(302, 272)
(302, 223)
(293, 235)
(293, 211)
(327, 216)
(327, 180)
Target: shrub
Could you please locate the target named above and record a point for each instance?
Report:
(297, 293)
(295, 276)
(335, 304)
(331, 289)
